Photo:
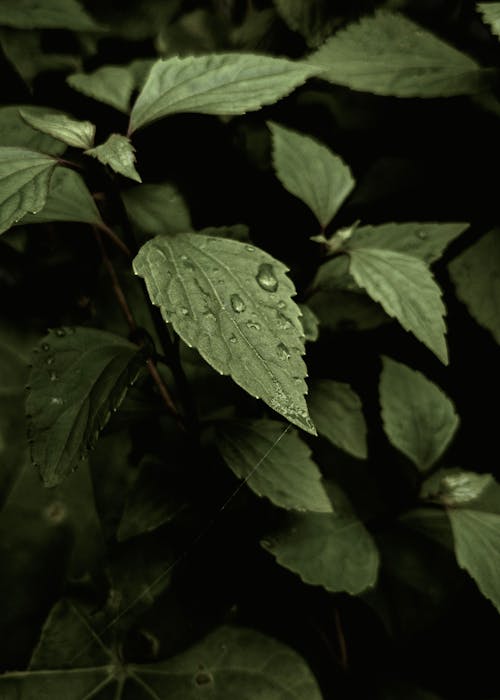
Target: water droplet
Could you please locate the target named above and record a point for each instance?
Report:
(56, 401)
(45, 347)
(250, 248)
(283, 322)
(60, 332)
(52, 376)
(253, 325)
(281, 304)
(237, 303)
(187, 262)
(50, 360)
(266, 278)
(232, 339)
(283, 352)
(184, 311)
(55, 512)
(422, 235)
(203, 678)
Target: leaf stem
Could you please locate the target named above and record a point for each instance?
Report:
(344, 660)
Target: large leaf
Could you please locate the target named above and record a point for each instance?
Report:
(426, 241)
(419, 419)
(275, 463)
(15, 132)
(491, 15)
(72, 662)
(79, 376)
(311, 19)
(157, 209)
(70, 131)
(232, 302)
(24, 183)
(49, 14)
(119, 154)
(215, 84)
(389, 54)
(330, 550)
(112, 85)
(406, 289)
(476, 276)
(338, 415)
(68, 200)
(311, 172)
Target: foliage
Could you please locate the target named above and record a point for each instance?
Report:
(250, 292)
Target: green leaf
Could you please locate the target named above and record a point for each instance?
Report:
(458, 488)
(311, 172)
(490, 12)
(215, 84)
(388, 54)
(49, 14)
(24, 183)
(68, 200)
(338, 415)
(157, 209)
(72, 662)
(119, 154)
(330, 550)
(79, 377)
(15, 132)
(232, 302)
(112, 85)
(275, 464)
(310, 323)
(311, 19)
(406, 289)
(426, 241)
(476, 276)
(419, 419)
(72, 132)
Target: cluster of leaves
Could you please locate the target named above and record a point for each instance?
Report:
(162, 525)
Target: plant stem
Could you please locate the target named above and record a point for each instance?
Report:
(344, 661)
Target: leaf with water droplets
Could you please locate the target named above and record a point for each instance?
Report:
(476, 276)
(276, 464)
(73, 132)
(419, 419)
(119, 153)
(79, 376)
(233, 303)
(24, 183)
(112, 85)
(73, 661)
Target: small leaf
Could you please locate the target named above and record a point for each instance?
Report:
(388, 54)
(419, 419)
(157, 209)
(333, 551)
(476, 276)
(15, 132)
(68, 200)
(79, 377)
(215, 84)
(112, 85)
(275, 464)
(119, 154)
(49, 14)
(72, 132)
(406, 289)
(24, 183)
(311, 172)
(426, 241)
(232, 302)
(491, 15)
(337, 413)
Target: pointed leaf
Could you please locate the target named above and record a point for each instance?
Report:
(419, 419)
(311, 172)
(476, 276)
(78, 377)
(426, 241)
(24, 183)
(232, 302)
(68, 200)
(388, 54)
(112, 85)
(333, 551)
(406, 289)
(119, 154)
(15, 132)
(215, 84)
(72, 132)
(337, 413)
(49, 14)
(275, 464)
(157, 209)
(491, 15)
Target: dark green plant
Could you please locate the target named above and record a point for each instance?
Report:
(210, 516)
